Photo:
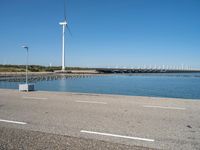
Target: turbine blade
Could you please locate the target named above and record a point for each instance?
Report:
(65, 9)
(69, 30)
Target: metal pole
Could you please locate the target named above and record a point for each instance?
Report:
(63, 49)
(27, 65)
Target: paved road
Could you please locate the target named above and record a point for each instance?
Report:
(89, 121)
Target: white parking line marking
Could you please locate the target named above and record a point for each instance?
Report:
(10, 121)
(162, 107)
(92, 102)
(42, 98)
(119, 136)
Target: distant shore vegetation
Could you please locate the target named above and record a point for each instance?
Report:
(36, 68)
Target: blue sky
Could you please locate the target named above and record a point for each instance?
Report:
(106, 33)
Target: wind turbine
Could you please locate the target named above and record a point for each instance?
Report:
(64, 25)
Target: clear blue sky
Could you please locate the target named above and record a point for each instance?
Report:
(105, 32)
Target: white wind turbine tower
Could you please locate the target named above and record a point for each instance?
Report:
(64, 25)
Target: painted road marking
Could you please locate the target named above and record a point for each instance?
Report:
(119, 136)
(92, 102)
(42, 98)
(162, 107)
(10, 121)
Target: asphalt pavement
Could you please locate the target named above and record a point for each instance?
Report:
(56, 120)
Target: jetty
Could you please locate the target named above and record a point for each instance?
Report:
(145, 70)
(33, 77)
(40, 76)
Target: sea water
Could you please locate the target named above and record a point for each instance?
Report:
(179, 85)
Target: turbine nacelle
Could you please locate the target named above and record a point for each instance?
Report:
(63, 23)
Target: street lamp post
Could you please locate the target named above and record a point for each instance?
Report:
(26, 47)
(26, 87)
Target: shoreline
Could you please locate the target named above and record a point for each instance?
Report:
(154, 98)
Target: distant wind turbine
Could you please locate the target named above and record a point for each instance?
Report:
(64, 25)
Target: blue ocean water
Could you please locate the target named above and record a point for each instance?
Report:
(185, 86)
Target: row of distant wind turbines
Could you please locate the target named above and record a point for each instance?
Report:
(64, 25)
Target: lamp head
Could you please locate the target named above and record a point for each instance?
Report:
(25, 46)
